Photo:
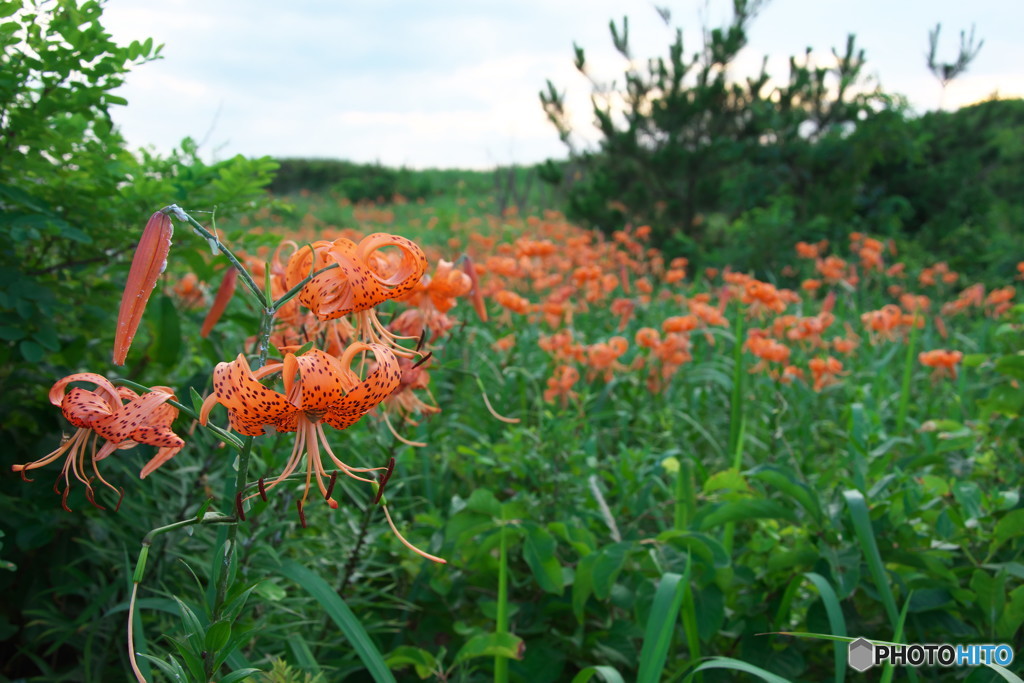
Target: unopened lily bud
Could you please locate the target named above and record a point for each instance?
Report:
(149, 262)
(224, 294)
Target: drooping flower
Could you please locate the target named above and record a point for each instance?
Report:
(318, 389)
(102, 414)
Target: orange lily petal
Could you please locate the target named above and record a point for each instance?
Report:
(377, 386)
(122, 424)
(82, 408)
(220, 302)
(102, 383)
(250, 404)
(321, 382)
(149, 261)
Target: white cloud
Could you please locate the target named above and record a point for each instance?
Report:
(456, 82)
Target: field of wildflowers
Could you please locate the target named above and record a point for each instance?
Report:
(599, 463)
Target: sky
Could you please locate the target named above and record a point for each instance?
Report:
(454, 83)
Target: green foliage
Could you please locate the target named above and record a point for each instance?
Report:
(691, 142)
(723, 169)
(74, 199)
(73, 202)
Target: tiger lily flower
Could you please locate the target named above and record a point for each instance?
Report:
(364, 279)
(101, 413)
(149, 261)
(318, 389)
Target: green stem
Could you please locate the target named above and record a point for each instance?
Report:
(241, 478)
(736, 426)
(215, 243)
(501, 663)
(685, 506)
(140, 570)
(736, 400)
(908, 368)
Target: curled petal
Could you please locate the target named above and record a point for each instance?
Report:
(149, 261)
(111, 394)
(409, 270)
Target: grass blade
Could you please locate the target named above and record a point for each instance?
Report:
(661, 625)
(862, 526)
(737, 665)
(836, 621)
(340, 613)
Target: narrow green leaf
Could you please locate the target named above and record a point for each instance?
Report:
(786, 482)
(737, 665)
(240, 675)
(343, 617)
(217, 635)
(836, 620)
(661, 627)
(424, 662)
(738, 510)
(303, 655)
(866, 536)
(583, 584)
(610, 560)
(172, 668)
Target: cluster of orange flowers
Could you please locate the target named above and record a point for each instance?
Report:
(362, 363)
(555, 273)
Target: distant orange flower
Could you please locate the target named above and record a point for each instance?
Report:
(825, 371)
(944, 362)
(505, 344)
(807, 251)
(513, 301)
(810, 285)
(647, 337)
(998, 301)
(560, 384)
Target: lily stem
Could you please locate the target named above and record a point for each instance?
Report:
(241, 479)
(182, 215)
(140, 569)
(501, 618)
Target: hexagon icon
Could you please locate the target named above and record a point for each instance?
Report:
(862, 654)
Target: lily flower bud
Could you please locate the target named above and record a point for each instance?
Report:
(149, 262)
